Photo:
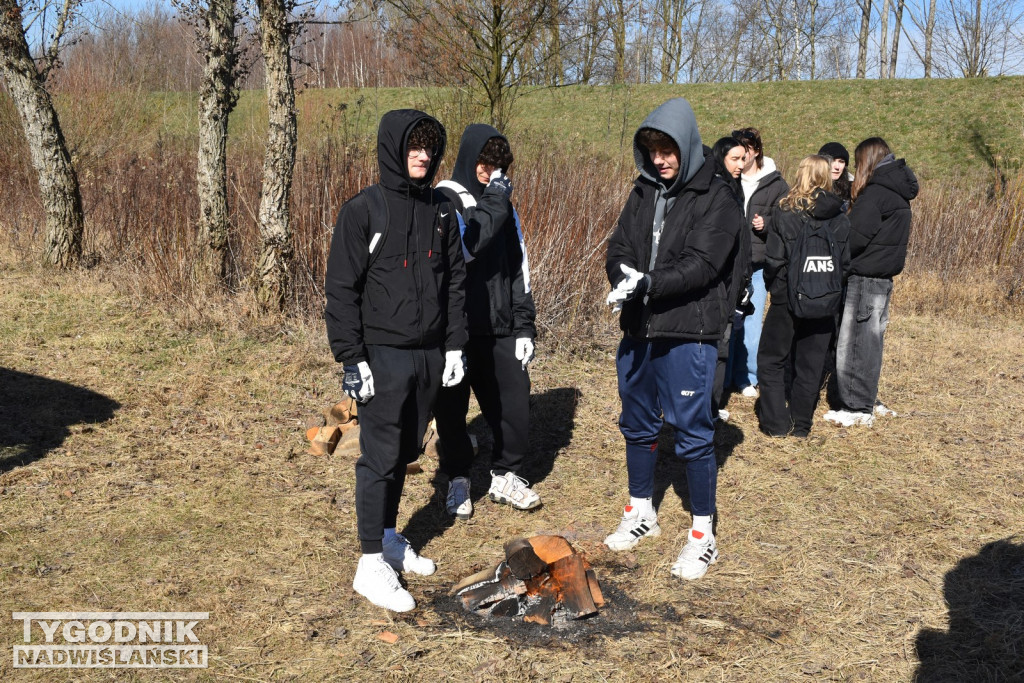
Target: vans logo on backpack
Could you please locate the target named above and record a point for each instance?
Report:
(818, 264)
(815, 283)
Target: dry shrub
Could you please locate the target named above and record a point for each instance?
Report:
(966, 249)
(141, 204)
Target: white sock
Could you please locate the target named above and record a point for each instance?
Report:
(389, 535)
(701, 526)
(644, 506)
(370, 557)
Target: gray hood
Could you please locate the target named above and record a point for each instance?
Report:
(674, 118)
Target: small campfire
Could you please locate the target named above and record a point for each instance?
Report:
(542, 580)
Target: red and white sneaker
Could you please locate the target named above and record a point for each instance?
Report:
(631, 529)
(699, 553)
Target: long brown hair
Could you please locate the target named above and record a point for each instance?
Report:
(867, 157)
(813, 174)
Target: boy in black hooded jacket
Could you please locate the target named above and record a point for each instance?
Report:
(395, 322)
(500, 315)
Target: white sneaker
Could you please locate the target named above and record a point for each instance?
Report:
(845, 418)
(749, 391)
(400, 555)
(377, 582)
(883, 411)
(512, 490)
(459, 504)
(631, 529)
(695, 558)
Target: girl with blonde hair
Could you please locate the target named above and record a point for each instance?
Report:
(786, 338)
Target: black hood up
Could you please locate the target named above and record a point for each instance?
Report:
(472, 143)
(392, 150)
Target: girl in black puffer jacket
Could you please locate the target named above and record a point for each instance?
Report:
(787, 338)
(879, 231)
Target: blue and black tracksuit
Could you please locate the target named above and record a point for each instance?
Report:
(666, 360)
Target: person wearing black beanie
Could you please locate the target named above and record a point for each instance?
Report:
(842, 181)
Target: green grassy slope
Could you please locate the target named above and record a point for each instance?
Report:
(945, 128)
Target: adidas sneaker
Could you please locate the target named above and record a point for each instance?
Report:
(631, 529)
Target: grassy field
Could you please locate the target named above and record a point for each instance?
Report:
(951, 129)
(146, 465)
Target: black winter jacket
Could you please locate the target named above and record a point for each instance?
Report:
(687, 298)
(786, 228)
(411, 295)
(741, 270)
(498, 297)
(880, 221)
(764, 202)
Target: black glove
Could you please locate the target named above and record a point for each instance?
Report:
(501, 181)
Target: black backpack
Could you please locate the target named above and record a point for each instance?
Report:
(815, 271)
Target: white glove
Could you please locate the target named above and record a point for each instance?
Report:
(501, 181)
(358, 382)
(454, 369)
(524, 350)
(625, 288)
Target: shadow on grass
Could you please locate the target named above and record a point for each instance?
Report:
(36, 414)
(671, 470)
(552, 418)
(985, 641)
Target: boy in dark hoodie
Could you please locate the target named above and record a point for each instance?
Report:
(395, 322)
(500, 316)
(669, 261)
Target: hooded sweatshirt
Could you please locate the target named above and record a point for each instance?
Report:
(781, 241)
(762, 191)
(699, 223)
(408, 292)
(498, 297)
(880, 220)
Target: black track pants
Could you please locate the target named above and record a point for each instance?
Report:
(391, 427)
(807, 341)
(502, 388)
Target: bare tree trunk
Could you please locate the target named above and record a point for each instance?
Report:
(813, 37)
(58, 182)
(883, 52)
(862, 39)
(556, 66)
(896, 38)
(929, 33)
(618, 29)
(273, 270)
(217, 97)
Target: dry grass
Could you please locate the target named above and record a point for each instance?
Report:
(182, 484)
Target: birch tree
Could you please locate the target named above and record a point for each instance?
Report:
(273, 268)
(26, 81)
(214, 22)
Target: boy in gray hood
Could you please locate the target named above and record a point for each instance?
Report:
(669, 259)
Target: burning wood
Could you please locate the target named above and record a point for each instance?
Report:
(542, 580)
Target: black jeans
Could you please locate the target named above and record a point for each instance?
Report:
(391, 427)
(806, 341)
(502, 389)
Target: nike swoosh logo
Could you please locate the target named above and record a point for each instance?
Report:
(444, 215)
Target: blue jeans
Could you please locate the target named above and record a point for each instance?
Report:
(669, 381)
(746, 336)
(860, 342)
